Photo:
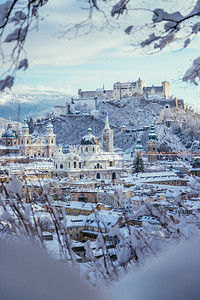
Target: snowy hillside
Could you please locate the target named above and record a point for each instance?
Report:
(70, 129)
(129, 119)
(130, 113)
(183, 132)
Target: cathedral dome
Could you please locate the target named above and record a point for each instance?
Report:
(9, 133)
(89, 138)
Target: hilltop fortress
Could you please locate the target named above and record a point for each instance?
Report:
(90, 101)
(128, 89)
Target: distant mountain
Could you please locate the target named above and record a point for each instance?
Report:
(31, 103)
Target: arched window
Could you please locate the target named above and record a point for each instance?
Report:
(93, 149)
(74, 164)
(79, 165)
(56, 166)
(86, 149)
(69, 164)
(98, 165)
(52, 141)
(98, 176)
(61, 166)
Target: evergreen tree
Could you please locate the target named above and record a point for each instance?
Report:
(138, 165)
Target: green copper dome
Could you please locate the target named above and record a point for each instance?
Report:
(89, 138)
(49, 125)
(152, 134)
(9, 133)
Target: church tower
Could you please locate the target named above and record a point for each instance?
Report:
(138, 148)
(25, 139)
(50, 140)
(107, 137)
(152, 145)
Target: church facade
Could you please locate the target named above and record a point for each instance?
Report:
(41, 146)
(89, 160)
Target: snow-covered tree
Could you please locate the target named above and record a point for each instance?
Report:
(138, 165)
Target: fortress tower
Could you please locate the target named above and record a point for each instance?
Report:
(166, 89)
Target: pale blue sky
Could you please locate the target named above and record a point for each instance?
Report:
(89, 61)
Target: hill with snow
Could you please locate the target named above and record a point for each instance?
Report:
(177, 130)
(130, 121)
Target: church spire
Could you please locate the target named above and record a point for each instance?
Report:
(107, 137)
(107, 126)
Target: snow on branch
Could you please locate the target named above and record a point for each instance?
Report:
(4, 10)
(161, 15)
(165, 41)
(23, 64)
(18, 16)
(19, 34)
(193, 72)
(119, 8)
(6, 83)
(150, 39)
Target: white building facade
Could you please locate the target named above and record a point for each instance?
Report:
(88, 161)
(41, 146)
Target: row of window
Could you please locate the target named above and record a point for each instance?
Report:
(69, 165)
(86, 149)
(52, 141)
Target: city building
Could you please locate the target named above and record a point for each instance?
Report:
(89, 160)
(41, 146)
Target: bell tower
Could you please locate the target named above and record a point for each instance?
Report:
(25, 139)
(107, 137)
(152, 145)
(50, 140)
